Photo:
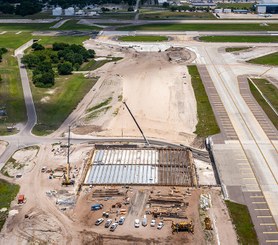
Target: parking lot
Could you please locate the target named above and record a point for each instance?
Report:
(159, 203)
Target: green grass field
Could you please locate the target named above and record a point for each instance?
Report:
(8, 193)
(200, 27)
(93, 65)
(240, 39)
(236, 49)
(270, 59)
(72, 25)
(11, 94)
(55, 104)
(48, 40)
(271, 93)
(143, 38)
(11, 40)
(117, 15)
(169, 15)
(243, 223)
(207, 124)
(25, 27)
(235, 5)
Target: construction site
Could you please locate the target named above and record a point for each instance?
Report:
(142, 166)
(163, 189)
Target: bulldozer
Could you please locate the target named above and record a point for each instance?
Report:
(183, 226)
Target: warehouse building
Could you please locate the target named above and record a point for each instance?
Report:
(267, 7)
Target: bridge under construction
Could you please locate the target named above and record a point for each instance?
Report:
(140, 166)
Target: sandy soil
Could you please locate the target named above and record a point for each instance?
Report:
(153, 87)
(205, 173)
(23, 161)
(40, 220)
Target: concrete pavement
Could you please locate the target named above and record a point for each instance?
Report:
(249, 164)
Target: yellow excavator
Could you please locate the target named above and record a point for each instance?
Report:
(183, 226)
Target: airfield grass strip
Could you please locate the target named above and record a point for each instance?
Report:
(240, 39)
(169, 15)
(73, 25)
(270, 59)
(236, 49)
(95, 64)
(243, 223)
(11, 93)
(25, 26)
(199, 27)
(207, 124)
(8, 193)
(143, 38)
(271, 93)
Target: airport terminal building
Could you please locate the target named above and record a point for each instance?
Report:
(267, 7)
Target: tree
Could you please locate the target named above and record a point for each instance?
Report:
(59, 46)
(165, 5)
(45, 79)
(7, 8)
(28, 8)
(30, 60)
(37, 46)
(65, 68)
(2, 51)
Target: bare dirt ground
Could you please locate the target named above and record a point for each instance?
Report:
(52, 214)
(23, 161)
(153, 84)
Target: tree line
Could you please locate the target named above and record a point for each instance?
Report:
(20, 7)
(62, 58)
(2, 51)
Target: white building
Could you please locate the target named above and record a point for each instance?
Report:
(69, 11)
(57, 11)
(80, 13)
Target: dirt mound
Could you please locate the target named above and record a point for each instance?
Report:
(180, 55)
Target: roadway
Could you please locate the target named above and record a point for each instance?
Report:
(247, 165)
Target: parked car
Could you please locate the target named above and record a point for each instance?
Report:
(144, 221)
(160, 225)
(137, 223)
(153, 223)
(99, 221)
(108, 223)
(113, 226)
(121, 220)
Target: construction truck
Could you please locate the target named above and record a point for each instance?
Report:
(208, 223)
(183, 226)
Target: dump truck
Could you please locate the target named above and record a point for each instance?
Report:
(183, 226)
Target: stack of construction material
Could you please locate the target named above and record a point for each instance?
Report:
(107, 193)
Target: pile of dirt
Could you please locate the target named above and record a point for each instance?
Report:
(180, 55)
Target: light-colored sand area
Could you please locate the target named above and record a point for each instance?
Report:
(21, 162)
(3, 146)
(158, 92)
